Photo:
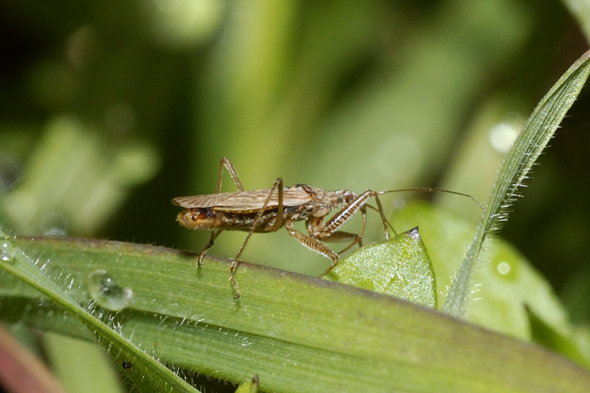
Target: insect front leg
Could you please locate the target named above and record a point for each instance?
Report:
(214, 234)
(341, 237)
(225, 162)
(315, 226)
(382, 214)
(328, 229)
(359, 203)
(277, 187)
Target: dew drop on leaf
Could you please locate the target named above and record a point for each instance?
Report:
(7, 251)
(105, 291)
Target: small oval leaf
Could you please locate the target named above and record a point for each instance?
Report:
(399, 267)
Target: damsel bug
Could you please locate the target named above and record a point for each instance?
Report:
(268, 210)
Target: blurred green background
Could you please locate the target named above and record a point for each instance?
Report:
(110, 109)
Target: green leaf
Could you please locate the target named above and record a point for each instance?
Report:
(537, 132)
(399, 267)
(249, 387)
(159, 378)
(549, 337)
(505, 283)
(81, 366)
(296, 333)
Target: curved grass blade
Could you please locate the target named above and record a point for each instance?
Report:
(537, 132)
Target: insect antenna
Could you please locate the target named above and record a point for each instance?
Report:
(435, 190)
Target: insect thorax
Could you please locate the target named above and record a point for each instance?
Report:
(326, 201)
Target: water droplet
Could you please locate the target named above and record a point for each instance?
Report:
(502, 136)
(105, 291)
(503, 268)
(54, 224)
(7, 251)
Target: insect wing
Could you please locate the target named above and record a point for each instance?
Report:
(250, 201)
(244, 201)
(203, 201)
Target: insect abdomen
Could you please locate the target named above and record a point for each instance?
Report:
(203, 218)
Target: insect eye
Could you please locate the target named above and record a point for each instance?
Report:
(195, 216)
(200, 215)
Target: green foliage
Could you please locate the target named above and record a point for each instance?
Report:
(148, 374)
(285, 327)
(400, 267)
(531, 142)
(111, 109)
(506, 288)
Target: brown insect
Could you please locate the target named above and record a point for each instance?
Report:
(268, 210)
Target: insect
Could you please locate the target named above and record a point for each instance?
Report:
(268, 210)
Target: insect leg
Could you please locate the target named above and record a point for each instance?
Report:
(386, 221)
(383, 219)
(341, 236)
(344, 215)
(329, 231)
(235, 263)
(340, 218)
(214, 235)
(225, 162)
(314, 245)
(278, 222)
(359, 238)
(315, 227)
